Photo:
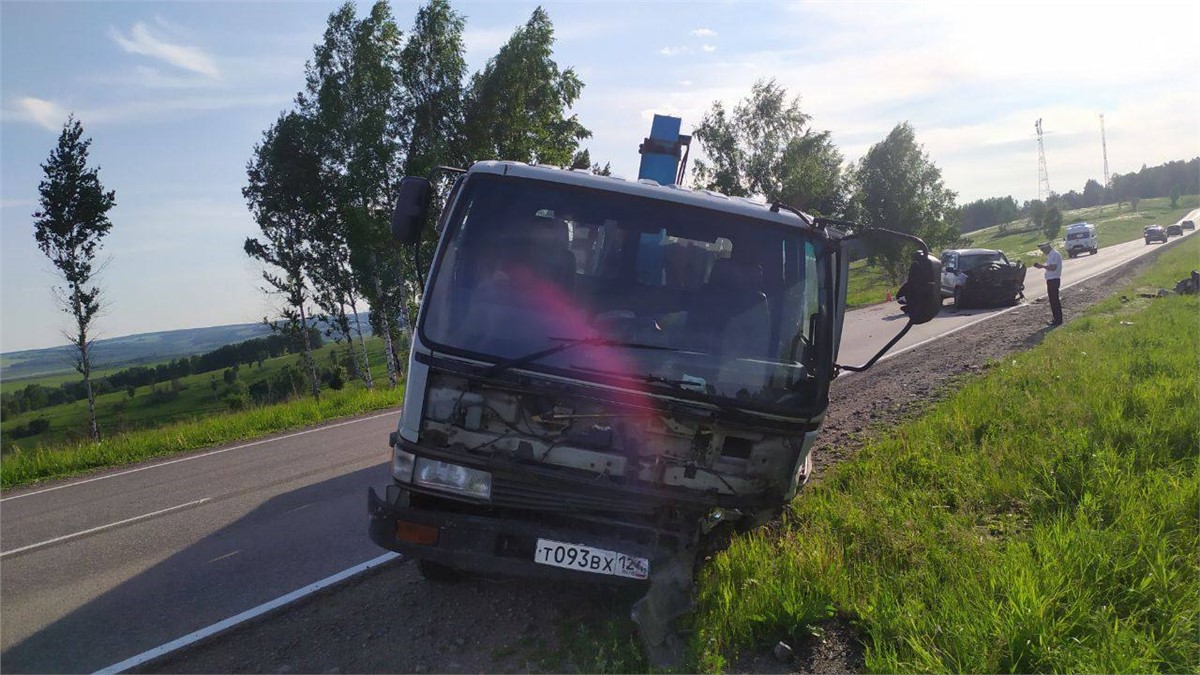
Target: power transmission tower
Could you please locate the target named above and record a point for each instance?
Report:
(1043, 175)
(1104, 145)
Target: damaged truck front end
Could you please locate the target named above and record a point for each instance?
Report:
(605, 376)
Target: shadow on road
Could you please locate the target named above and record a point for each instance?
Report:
(252, 560)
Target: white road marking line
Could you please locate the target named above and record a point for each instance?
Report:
(993, 315)
(199, 456)
(65, 537)
(227, 555)
(232, 621)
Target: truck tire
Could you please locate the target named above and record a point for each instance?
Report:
(437, 572)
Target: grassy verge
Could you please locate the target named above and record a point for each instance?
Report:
(20, 467)
(866, 285)
(1043, 519)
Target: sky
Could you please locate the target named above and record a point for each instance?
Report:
(176, 94)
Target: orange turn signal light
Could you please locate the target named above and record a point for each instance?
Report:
(415, 533)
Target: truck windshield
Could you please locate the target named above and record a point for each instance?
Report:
(713, 303)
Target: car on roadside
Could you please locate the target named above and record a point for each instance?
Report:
(1154, 233)
(981, 277)
(1188, 224)
(1175, 230)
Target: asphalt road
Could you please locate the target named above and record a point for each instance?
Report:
(275, 516)
(96, 570)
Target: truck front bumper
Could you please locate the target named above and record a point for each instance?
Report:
(486, 545)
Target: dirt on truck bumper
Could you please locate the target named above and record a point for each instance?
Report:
(505, 546)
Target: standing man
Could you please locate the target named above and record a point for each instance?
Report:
(1053, 267)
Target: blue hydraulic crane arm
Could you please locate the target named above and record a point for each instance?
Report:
(664, 152)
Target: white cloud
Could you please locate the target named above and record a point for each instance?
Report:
(704, 32)
(51, 115)
(685, 83)
(709, 48)
(672, 51)
(46, 114)
(141, 41)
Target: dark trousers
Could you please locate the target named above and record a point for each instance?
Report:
(1055, 304)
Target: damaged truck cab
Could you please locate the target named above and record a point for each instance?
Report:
(605, 373)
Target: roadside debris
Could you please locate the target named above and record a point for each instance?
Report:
(1189, 285)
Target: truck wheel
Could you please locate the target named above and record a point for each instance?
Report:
(1093, 251)
(437, 572)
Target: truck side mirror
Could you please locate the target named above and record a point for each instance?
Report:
(923, 288)
(412, 209)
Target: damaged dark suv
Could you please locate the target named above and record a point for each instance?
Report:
(980, 277)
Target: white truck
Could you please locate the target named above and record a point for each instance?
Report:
(607, 374)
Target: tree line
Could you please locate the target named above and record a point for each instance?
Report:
(1171, 179)
(378, 105)
(37, 396)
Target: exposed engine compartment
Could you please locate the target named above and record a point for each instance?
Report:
(618, 443)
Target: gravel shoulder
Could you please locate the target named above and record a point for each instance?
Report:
(391, 620)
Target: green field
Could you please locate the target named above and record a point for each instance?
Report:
(21, 466)
(196, 398)
(1042, 519)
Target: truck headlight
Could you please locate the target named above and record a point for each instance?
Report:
(453, 478)
(402, 465)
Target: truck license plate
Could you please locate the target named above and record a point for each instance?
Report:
(589, 559)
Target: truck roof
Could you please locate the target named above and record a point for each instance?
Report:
(705, 199)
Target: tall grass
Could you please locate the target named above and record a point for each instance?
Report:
(21, 467)
(1045, 518)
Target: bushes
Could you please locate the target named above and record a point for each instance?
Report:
(32, 428)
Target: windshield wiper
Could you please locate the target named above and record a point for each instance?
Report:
(568, 343)
(682, 385)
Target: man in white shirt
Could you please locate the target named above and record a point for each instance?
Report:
(1053, 267)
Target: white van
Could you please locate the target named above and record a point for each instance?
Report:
(1081, 237)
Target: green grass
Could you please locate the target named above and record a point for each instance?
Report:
(117, 413)
(866, 285)
(1043, 519)
(20, 467)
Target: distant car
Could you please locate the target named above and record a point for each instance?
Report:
(1175, 230)
(1154, 233)
(1188, 224)
(1080, 239)
(981, 277)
